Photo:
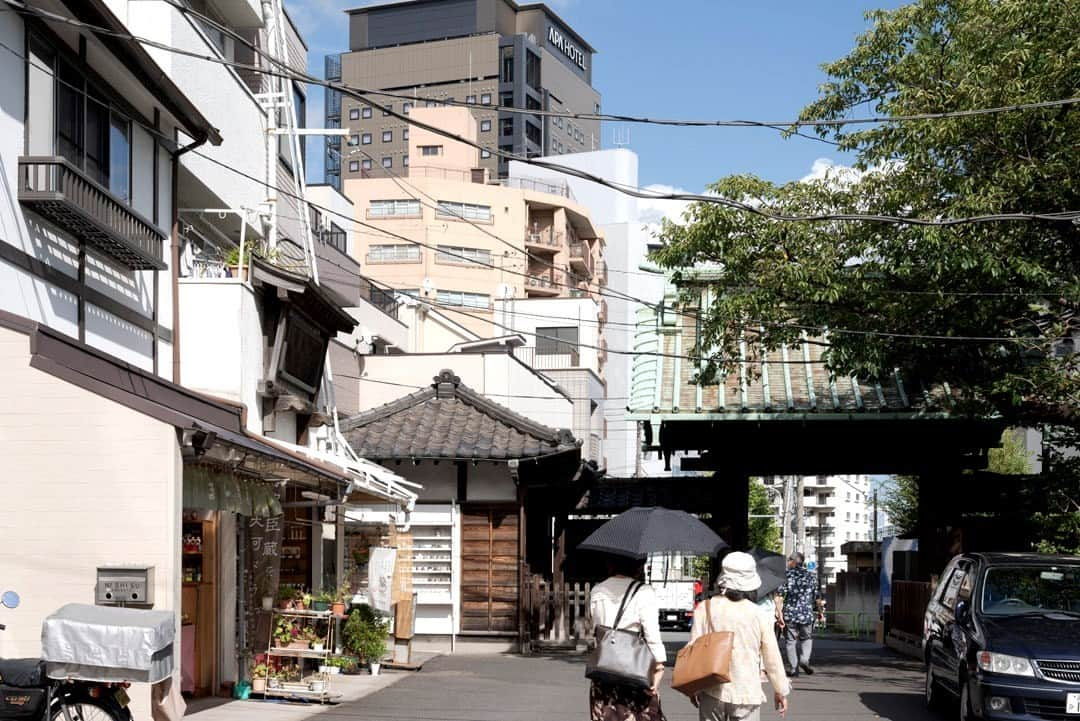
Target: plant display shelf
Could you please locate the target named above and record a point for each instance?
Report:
(301, 690)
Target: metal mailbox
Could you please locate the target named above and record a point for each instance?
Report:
(122, 585)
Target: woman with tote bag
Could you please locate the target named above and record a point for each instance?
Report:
(623, 597)
(753, 646)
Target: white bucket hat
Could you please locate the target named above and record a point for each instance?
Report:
(740, 572)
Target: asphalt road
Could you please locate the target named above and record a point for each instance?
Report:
(853, 681)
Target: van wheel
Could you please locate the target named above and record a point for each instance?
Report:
(934, 692)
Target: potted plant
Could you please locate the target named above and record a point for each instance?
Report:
(365, 634)
(322, 600)
(304, 601)
(314, 640)
(259, 676)
(338, 606)
(286, 598)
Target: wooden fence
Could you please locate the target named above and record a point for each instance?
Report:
(908, 607)
(556, 615)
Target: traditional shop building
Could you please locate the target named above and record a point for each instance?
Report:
(472, 538)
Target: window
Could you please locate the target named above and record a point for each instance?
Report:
(354, 113)
(485, 99)
(847, 496)
(428, 150)
(397, 253)
(557, 341)
(405, 134)
(506, 127)
(532, 71)
(388, 162)
(405, 160)
(507, 70)
(303, 353)
(354, 140)
(406, 108)
(463, 299)
(388, 136)
(366, 112)
(409, 292)
(847, 516)
(365, 164)
(365, 139)
(506, 99)
(468, 211)
(354, 166)
(388, 107)
(463, 256)
(569, 129)
(390, 208)
(485, 154)
(532, 133)
(88, 133)
(470, 99)
(335, 237)
(532, 103)
(431, 103)
(485, 126)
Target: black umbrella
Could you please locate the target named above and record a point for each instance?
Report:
(772, 567)
(641, 531)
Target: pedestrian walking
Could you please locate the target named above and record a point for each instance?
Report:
(753, 646)
(640, 612)
(803, 603)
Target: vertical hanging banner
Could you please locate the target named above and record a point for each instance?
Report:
(262, 573)
(381, 578)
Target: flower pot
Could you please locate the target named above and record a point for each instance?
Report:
(338, 608)
(258, 685)
(268, 603)
(375, 668)
(286, 605)
(320, 606)
(302, 645)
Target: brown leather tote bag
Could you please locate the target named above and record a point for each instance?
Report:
(706, 662)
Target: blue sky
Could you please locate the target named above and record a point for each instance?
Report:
(738, 59)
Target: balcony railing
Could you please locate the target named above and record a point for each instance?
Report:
(581, 255)
(548, 280)
(540, 186)
(61, 193)
(548, 361)
(547, 237)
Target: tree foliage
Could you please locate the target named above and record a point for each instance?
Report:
(764, 533)
(900, 295)
(900, 501)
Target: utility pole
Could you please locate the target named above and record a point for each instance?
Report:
(877, 548)
(820, 558)
(800, 517)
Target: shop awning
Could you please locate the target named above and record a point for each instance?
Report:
(210, 488)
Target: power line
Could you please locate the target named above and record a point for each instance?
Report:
(556, 396)
(632, 191)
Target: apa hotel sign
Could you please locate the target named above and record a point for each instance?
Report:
(563, 43)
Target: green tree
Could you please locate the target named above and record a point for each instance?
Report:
(899, 295)
(900, 501)
(764, 533)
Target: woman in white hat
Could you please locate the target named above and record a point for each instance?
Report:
(754, 646)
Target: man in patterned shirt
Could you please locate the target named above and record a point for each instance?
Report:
(802, 598)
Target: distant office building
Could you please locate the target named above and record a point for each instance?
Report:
(487, 53)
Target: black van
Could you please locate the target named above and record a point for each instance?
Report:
(1002, 634)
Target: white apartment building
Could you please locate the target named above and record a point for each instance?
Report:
(836, 509)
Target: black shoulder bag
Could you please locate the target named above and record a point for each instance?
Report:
(621, 656)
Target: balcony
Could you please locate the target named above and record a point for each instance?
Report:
(548, 361)
(581, 257)
(59, 192)
(601, 314)
(543, 239)
(545, 283)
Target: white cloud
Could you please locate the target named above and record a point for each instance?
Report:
(652, 210)
(829, 169)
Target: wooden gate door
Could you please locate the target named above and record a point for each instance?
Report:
(489, 569)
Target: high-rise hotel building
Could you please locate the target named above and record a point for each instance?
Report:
(486, 53)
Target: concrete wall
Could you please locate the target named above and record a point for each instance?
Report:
(87, 482)
(453, 155)
(526, 315)
(855, 594)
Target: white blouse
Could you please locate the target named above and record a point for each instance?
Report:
(642, 611)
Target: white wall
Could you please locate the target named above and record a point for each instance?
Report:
(525, 315)
(87, 482)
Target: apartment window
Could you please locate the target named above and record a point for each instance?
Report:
(391, 208)
(468, 211)
(87, 132)
(506, 99)
(506, 127)
(354, 113)
(354, 166)
(388, 107)
(365, 139)
(470, 99)
(335, 237)
(463, 299)
(569, 129)
(396, 253)
(507, 71)
(429, 150)
(406, 108)
(354, 139)
(485, 126)
(485, 99)
(847, 496)
(463, 256)
(405, 134)
(365, 164)
(388, 136)
(532, 71)
(847, 516)
(532, 133)
(557, 341)
(823, 498)
(557, 121)
(388, 162)
(532, 103)
(485, 154)
(405, 160)
(366, 112)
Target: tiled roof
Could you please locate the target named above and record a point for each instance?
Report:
(449, 420)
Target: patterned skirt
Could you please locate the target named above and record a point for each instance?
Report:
(608, 702)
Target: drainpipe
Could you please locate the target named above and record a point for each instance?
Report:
(175, 262)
